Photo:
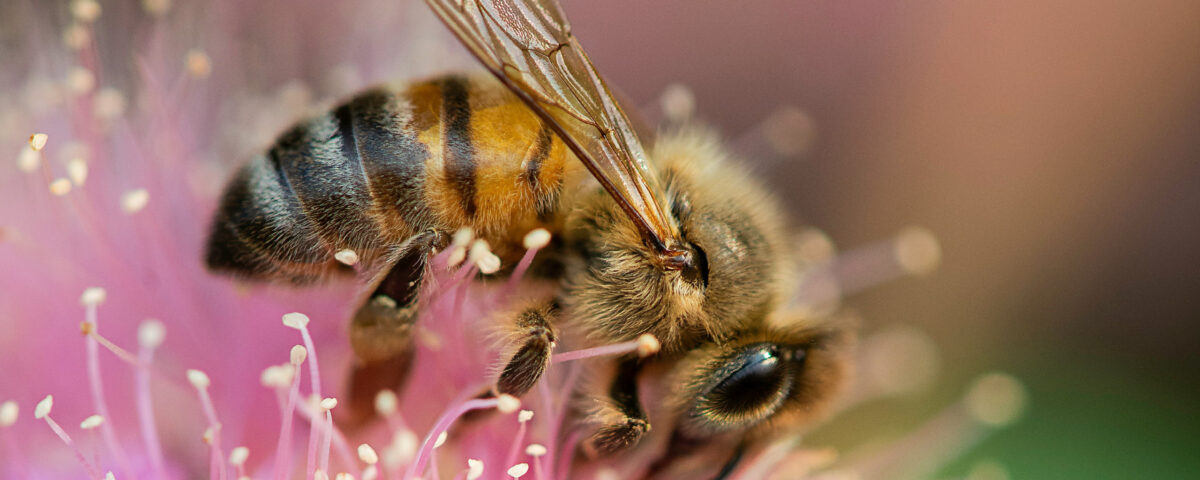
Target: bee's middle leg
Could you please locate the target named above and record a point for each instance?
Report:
(536, 339)
(624, 421)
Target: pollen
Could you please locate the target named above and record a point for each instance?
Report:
(37, 141)
(295, 320)
(996, 399)
(28, 160)
(506, 403)
(474, 469)
(93, 296)
(346, 256)
(537, 238)
(519, 470)
(525, 416)
(386, 403)
(85, 10)
(678, 103)
(60, 187)
(198, 379)
(157, 8)
(198, 64)
(91, 422)
(134, 201)
(151, 334)
(238, 456)
(367, 454)
(535, 449)
(109, 104)
(8, 413)
(917, 250)
(77, 171)
(80, 80)
(43, 407)
(328, 403)
(647, 345)
(298, 354)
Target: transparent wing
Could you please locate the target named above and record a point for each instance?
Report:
(528, 45)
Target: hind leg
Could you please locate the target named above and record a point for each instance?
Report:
(381, 331)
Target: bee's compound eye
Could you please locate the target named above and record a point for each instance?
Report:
(753, 384)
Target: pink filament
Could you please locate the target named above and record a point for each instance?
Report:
(145, 410)
(516, 446)
(339, 439)
(217, 456)
(326, 438)
(314, 433)
(442, 424)
(284, 447)
(97, 387)
(91, 469)
(615, 349)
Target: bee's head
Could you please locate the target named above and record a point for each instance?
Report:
(734, 266)
(784, 375)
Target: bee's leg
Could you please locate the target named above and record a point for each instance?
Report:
(624, 419)
(381, 331)
(535, 337)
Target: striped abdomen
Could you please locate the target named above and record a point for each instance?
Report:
(392, 162)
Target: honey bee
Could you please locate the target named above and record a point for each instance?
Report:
(679, 242)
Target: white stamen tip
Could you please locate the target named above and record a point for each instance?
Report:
(110, 476)
(328, 404)
(76, 36)
(519, 470)
(371, 473)
(295, 320)
(60, 187)
(134, 201)
(402, 449)
(43, 407)
(367, 454)
(537, 238)
(8, 413)
(457, 255)
(278, 376)
(238, 456)
(198, 63)
(108, 104)
(524, 416)
(198, 379)
(474, 469)
(346, 256)
(506, 403)
(678, 102)
(647, 345)
(77, 171)
(489, 264)
(37, 141)
(996, 399)
(28, 160)
(299, 353)
(386, 403)
(93, 296)
(463, 237)
(478, 249)
(91, 422)
(86, 11)
(320, 475)
(80, 80)
(917, 250)
(441, 438)
(151, 333)
(343, 476)
(209, 434)
(535, 449)
(157, 8)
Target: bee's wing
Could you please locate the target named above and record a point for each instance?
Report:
(528, 45)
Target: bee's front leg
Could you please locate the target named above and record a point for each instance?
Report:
(533, 334)
(623, 419)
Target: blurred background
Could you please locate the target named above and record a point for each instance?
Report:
(1052, 147)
